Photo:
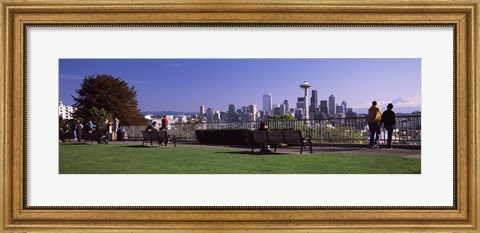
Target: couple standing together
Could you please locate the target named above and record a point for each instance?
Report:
(375, 120)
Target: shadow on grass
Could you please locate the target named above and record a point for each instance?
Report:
(337, 149)
(140, 146)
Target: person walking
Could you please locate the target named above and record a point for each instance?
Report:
(388, 120)
(374, 117)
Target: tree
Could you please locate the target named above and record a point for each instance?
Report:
(98, 115)
(113, 95)
(281, 117)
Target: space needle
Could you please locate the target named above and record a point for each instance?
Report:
(305, 85)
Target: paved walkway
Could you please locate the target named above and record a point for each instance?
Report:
(405, 153)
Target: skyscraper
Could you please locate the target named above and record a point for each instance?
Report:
(300, 101)
(331, 106)
(232, 113)
(339, 108)
(313, 101)
(202, 110)
(324, 107)
(286, 104)
(252, 109)
(298, 114)
(209, 114)
(282, 109)
(344, 104)
(312, 109)
(267, 103)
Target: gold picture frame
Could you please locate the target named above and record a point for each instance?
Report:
(16, 14)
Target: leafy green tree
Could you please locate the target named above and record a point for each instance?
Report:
(98, 115)
(281, 117)
(113, 95)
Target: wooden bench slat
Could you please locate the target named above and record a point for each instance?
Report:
(292, 137)
(276, 138)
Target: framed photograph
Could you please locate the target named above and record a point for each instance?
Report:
(241, 116)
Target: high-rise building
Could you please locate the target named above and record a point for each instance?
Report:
(224, 117)
(202, 111)
(232, 113)
(282, 109)
(312, 108)
(66, 112)
(216, 116)
(299, 114)
(286, 104)
(344, 104)
(332, 110)
(277, 110)
(324, 107)
(261, 115)
(252, 109)
(339, 108)
(209, 114)
(300, 101)
(244, 113)
(267, 103)
(313, 101)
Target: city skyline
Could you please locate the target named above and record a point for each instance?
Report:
(183, 85)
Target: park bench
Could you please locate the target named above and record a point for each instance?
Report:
(278, 138)
(158, 136)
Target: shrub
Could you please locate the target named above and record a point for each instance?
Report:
(224, 136)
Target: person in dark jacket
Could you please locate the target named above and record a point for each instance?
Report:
(388, 121)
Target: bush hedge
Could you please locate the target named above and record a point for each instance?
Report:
(224, 136)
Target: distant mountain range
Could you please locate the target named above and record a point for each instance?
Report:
(405, 110)
(161, 113)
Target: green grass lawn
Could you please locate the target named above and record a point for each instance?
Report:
(133, 159)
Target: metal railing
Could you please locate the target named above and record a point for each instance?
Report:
(336, 130)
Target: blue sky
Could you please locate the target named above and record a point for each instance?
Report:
(185, 84)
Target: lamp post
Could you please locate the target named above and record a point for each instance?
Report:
(305, 85)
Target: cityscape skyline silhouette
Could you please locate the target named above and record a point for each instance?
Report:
(182, 85)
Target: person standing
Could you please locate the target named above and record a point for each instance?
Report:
(78, 130)
(388, 121)
(374, 117)
(164, 123)
(110, 130)
(116, 123)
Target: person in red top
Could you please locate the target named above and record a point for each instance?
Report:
(164, 123)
